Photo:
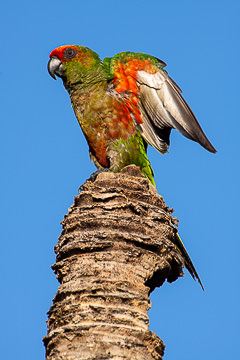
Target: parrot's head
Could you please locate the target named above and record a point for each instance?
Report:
(74, 64)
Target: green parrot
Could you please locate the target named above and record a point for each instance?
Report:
(122, 104)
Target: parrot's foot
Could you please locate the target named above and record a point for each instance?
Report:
(93, 177)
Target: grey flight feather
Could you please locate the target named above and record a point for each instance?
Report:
(163, 108)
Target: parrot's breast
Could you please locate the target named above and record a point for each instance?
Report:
(105, 120)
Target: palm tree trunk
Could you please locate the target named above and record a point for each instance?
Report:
(115, 248)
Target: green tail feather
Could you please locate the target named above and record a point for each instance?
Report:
(187, 261)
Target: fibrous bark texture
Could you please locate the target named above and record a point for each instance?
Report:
(115, 248)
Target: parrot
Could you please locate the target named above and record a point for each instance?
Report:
(123, 104)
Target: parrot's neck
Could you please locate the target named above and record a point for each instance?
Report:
(80, 79)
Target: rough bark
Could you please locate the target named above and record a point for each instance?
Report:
(115, 248)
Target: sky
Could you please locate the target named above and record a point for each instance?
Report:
(44, 159)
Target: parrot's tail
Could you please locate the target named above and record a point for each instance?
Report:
(188, 263)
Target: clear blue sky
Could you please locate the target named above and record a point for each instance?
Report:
(44, 159)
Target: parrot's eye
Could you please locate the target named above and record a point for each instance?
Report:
(70, 53)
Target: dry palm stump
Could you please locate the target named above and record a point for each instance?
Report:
(115, 248)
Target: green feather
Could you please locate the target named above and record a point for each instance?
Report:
(130, 151)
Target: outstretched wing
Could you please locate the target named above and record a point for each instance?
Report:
(158, 98)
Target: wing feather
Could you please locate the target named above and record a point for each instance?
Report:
(151, 133)
(157, 96)
(162, 100)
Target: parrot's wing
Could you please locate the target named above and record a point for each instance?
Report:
(159, 100)
(164, 108)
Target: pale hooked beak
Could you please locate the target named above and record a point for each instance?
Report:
(55, 67)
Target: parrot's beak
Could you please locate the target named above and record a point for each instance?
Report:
(55, 67)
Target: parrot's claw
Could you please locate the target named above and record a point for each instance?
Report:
(93, 177)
